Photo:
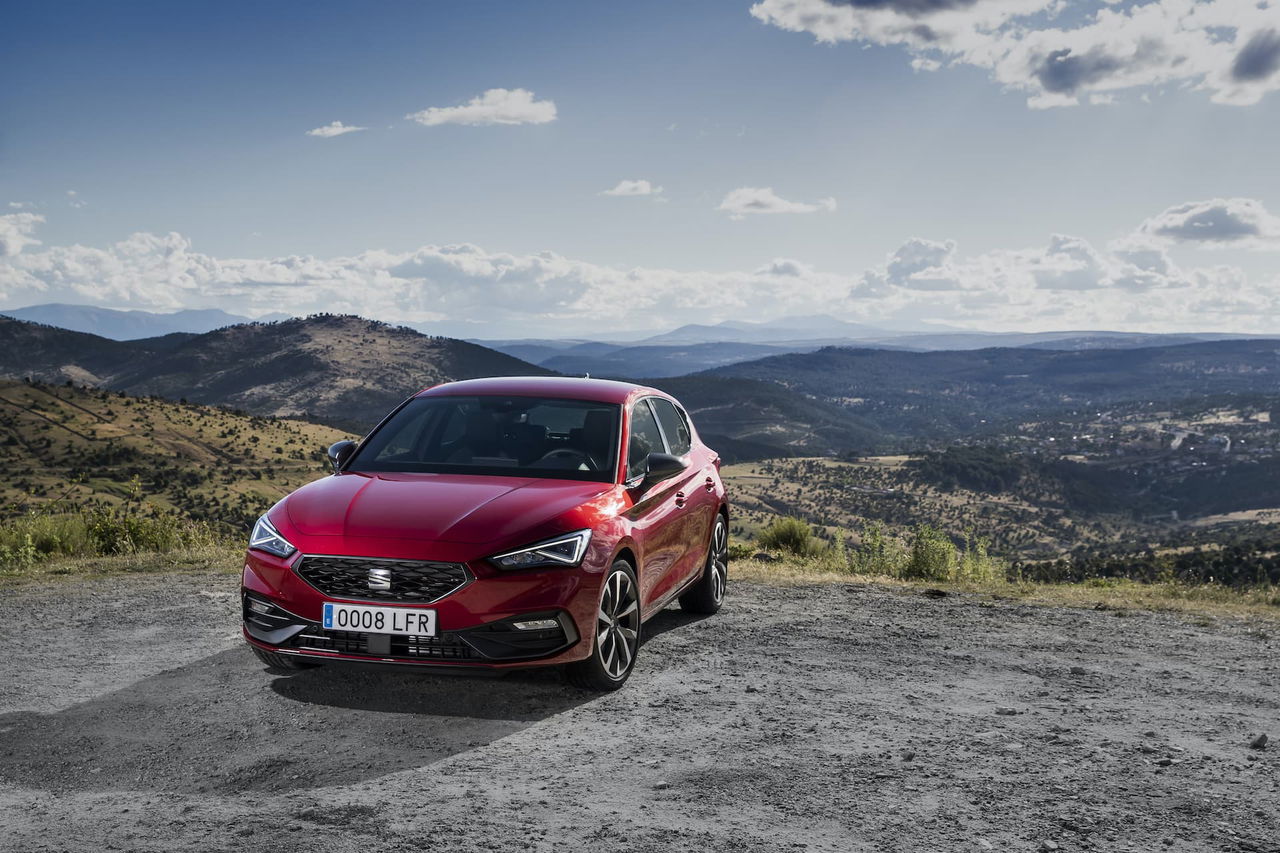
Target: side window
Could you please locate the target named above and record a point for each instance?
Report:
(674, 426)
(645, 439)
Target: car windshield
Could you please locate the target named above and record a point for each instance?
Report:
(504, 436)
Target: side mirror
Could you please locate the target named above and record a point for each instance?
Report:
(662, 466)
(340, 452)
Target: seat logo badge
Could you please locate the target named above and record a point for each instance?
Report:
(380, 579)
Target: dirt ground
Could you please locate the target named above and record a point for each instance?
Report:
(800, 718)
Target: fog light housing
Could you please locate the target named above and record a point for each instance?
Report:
(258, 606)
(536, 625)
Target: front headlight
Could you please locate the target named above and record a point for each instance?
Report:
(561, 551)
(265, 537)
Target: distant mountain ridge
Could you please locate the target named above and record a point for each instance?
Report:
(948, 393)
(129, 325)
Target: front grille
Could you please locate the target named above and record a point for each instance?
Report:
(444, 647)
(418, 581)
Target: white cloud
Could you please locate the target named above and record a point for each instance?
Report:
(465, 289)
(495, 106)
(334, 128)
(73, 199)
(638, 187)
(1237, 223)
(16, 230)
(746, 201)
(1229, 48)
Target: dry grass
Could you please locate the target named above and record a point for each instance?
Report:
(1198, 602)
(204, 558)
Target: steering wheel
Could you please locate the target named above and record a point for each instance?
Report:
(568, 454)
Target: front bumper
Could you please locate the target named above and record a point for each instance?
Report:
(272, 627)
(282, 613)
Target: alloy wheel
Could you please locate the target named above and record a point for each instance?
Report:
(719, 560)
(618, 625)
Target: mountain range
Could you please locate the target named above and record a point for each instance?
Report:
(129, 325)
(347, 372)
(948, 393)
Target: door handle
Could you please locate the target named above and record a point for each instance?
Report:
(709, 485)
(680, 500)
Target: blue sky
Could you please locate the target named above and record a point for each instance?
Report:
(898, 194)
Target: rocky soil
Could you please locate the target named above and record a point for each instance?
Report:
(823, 718)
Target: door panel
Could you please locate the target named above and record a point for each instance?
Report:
(693, 525)
(655, 512)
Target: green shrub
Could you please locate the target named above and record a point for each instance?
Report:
(933, 556)
(98, 531)
(879, 553)
(976, 564)
(792, 535)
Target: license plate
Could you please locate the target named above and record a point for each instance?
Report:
(379, 620)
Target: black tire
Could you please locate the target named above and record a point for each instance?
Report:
(707, 593)
(275, 660)
(617, 639)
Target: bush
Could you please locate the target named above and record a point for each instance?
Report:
(95, 532)
(791, 535)
(879, 553)
(976, 564)
(933, 556)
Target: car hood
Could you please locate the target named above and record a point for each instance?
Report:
(432, 507)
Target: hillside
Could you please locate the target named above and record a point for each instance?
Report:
(747, 419)
(944, 394)
(340, 370)
(82, 446)
(56, 355)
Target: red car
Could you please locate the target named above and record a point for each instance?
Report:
(495, 524)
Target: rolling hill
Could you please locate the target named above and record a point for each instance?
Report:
(749, 419)
(339, 370)
(945, 394)
(348, 372)
(83, 446)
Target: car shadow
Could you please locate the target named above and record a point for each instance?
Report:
(226, 724)
(670, 619)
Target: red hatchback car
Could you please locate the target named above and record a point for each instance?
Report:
(495, 524)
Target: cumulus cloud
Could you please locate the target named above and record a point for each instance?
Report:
(1230, 48)
(495, 106)
(74, 200)
(334, 128)
(16, 230)
(746, 201)
(638, 187)
(1066, 265)
(1217, 223)
(462, 289)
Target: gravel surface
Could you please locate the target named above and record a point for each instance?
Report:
(818, 718)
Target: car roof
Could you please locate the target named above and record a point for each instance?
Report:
(564, 387)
